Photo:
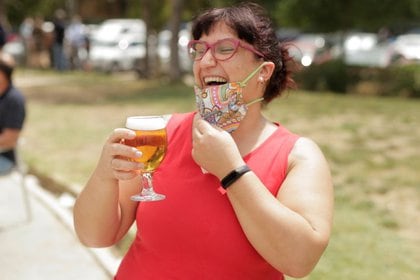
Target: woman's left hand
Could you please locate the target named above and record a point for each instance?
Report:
(214, 149)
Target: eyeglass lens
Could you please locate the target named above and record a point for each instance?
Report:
(221, 50)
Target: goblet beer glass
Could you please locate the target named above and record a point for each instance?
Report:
(151, 141)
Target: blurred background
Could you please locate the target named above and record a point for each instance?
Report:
(84, 65)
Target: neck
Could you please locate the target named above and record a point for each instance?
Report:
(3, 88)
(252, 131)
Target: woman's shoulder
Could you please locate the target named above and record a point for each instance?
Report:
(305, 145)
(307, 151)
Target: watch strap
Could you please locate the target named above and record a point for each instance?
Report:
(234, 175)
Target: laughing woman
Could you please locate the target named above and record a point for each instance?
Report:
(245, 197)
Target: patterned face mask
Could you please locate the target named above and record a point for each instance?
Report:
(223, 105)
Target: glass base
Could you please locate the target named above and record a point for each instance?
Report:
(148, 197)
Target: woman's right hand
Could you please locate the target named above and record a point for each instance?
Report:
(116, 161)
(103, 211)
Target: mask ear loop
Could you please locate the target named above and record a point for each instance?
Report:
(254, 101)
(244, 83)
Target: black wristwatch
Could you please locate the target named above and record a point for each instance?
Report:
(234, 175)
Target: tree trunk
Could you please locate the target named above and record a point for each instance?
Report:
(2, 11)
(5, 27)
(144, 70)
(174, 26)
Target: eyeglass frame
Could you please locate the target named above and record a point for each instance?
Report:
(237, 43)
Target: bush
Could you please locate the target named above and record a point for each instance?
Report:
(335, 76)
(329, 76)
(404, 81)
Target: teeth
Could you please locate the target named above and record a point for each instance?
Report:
(208, 80)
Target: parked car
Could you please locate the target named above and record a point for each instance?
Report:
(406, 49)
(118, 45)
(365, 49)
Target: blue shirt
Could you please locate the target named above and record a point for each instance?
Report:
(12, 114)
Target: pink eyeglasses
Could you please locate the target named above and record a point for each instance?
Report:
(221, 50)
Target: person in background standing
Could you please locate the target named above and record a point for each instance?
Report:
(76, 40)
(59, 57)
(25, 30)
(38, 52)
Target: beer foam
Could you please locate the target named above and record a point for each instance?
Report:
(145, 123)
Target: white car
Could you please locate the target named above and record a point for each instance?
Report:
(118, 45)
(16, 48)
(406, 47)
(363, 49)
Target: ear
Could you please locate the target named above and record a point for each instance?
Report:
(266, 71)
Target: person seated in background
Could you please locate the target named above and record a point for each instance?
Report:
(12, 114)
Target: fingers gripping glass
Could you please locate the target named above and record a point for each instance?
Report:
(221, 50)
(151, 141)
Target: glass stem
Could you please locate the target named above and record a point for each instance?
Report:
(147, 183)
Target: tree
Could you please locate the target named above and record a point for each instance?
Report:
(17, 10)
(174, 26)
(146, 11)
(332, 15)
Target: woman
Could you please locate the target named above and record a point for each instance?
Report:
(273, 215)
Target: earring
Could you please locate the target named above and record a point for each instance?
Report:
(261, 80)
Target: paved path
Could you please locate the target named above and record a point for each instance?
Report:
(45, 247)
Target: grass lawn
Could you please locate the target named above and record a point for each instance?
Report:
(371, 143)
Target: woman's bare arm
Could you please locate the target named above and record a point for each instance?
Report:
(103, 212)
(291, 231)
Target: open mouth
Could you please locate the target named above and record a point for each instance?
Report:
(214, 81)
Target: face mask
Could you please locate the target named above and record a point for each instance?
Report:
(223, 105)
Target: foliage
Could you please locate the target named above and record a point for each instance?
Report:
(159, 9)
(331, 15)
(315, 15)
(17, 10)
(329, 76)
(397, 80)
(405, 80)
(335, 76)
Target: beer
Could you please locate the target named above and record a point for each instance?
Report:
(150, 140)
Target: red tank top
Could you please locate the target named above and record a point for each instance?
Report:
(194, 233)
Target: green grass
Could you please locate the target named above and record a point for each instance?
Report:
(371, 144)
